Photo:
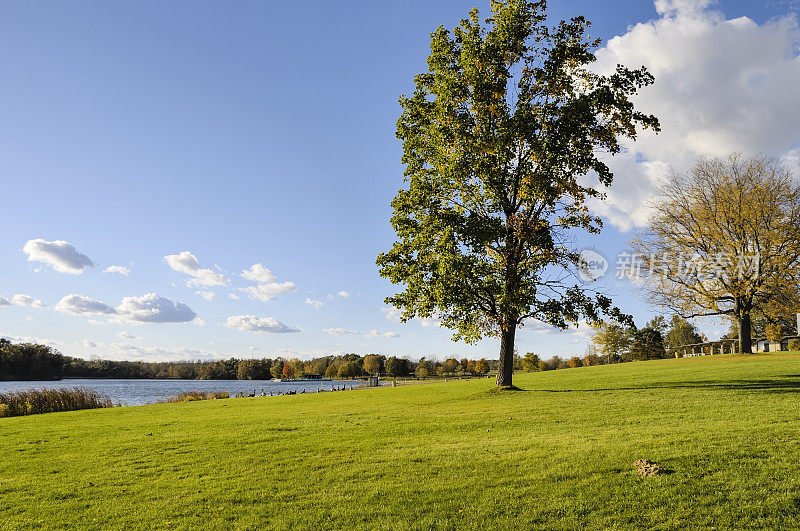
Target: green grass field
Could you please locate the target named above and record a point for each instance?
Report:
(558, 454)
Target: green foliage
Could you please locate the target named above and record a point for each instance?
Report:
(794, 344)
(613, 341)
(220, 370)
(254, 369)
(424, 369)
(681, 332)
(482, 367)
(530, 362)
(497, 138)
(26, 361)
(396, 367)
(646, 344)
(574, 362)
(373, 364)
(350, 369)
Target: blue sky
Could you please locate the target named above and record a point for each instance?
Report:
(263, 133)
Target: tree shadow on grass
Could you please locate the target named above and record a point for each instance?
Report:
(776, 385)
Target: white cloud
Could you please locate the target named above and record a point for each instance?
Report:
(151, 308)
(341, 332)
(721, 86)
(81, 305)
(266, 288)
(268, 291)
(34, 339)
(120, 270)
(4, 301)
(538, 327)
(59, 255)
(313, 302)
(127, 335)
(207, 295)
(187, 263)
(343, 294)
(89, 344)
(393, 314)
(233, 296)
(375, 333)
(251, 323)
(125, 351)
(26, 300)
(672, 8)
(259, 273)
(197, 321)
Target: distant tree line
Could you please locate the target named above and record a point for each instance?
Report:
(27, 361)
(614, 343)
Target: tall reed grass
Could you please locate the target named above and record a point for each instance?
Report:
(191, 396)
(51, 400)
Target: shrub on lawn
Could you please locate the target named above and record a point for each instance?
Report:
(794, 344)
(51, 400)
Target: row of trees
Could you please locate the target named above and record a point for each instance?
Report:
(616, 343)
(27, 361)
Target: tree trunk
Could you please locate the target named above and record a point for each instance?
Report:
(745, 341)
(506, 369)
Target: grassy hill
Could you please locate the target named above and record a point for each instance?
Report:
(443, 455)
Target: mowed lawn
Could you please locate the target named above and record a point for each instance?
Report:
(558, 454)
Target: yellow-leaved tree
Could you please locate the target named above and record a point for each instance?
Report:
(724, 240)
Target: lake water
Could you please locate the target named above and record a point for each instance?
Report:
(139, 392)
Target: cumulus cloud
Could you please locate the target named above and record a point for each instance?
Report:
(127, 335)
(722, 85)
(4, 301)
(251, 323)
(341, 332)
(207, 295)
(375, 333)
(151, 308)
(259, 273)
(59, 255)
(81, 305)
(120, 270)
(269, 290)
(187, 263)
(233, 296)
(267, 287)
(343, 294)
(314, 303)
(26, 300)
(89, 344)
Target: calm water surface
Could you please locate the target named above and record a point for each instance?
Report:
(139, 392)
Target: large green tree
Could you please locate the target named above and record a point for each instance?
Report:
(497, 138)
